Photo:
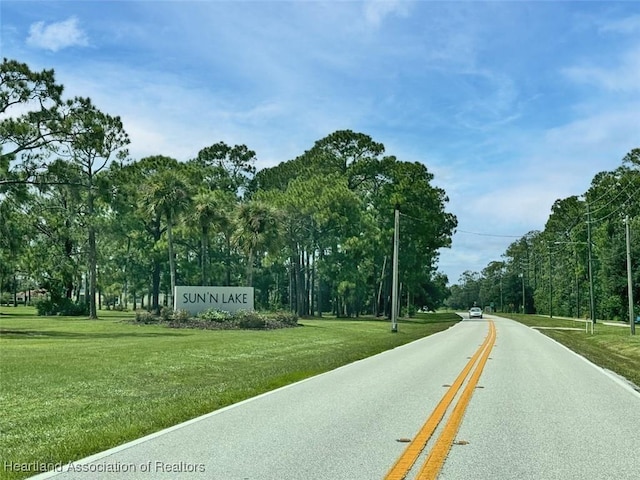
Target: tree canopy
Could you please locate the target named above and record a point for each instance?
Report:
(547, 271)
(82, 220)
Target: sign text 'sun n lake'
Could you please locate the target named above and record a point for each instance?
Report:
(198, 299)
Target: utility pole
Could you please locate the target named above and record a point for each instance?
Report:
(524, 309)
(501, 300)
(632, 324)
(394, 282)
(591, 294)
(550, 283)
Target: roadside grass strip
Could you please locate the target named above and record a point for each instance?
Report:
(440, 449)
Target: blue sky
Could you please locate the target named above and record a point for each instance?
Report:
(510, 104)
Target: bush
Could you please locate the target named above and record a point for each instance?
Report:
(146, 317)
(181, 316)
(287, 319)
(6, 298)
(166, 314)
(213, 315)
(222, 320)
(250, 320)
(61, 306)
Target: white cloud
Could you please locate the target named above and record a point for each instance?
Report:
(375, 11)
(627, 25)
(622, 77)
(57, 36)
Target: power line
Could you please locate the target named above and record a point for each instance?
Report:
(489, 234)
(602, 207)
(465, 231)
(618, 209)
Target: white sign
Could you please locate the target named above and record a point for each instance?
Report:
(197, 299)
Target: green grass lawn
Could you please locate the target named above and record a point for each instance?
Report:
(611, 347)
(73, 387)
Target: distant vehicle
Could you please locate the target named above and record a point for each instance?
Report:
(637, 319)
(475, 312)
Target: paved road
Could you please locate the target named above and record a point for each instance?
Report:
(539, 412)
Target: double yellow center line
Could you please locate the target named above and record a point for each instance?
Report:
(438, 453)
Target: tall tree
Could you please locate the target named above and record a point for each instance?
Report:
(224, 167)
(23, 132)
(257, 230)
(91, 139)
(167, 193)
(210, 210)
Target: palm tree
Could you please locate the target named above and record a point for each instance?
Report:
(257, 229)
(209, 209)
(167, 193)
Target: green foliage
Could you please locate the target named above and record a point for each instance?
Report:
(131, 227)
(244, 319)
(213, 315)
(142, 316)
(5, 298)
(181, 316)
(166, 314)
(549, 269)
(213, 319)
(61, 306)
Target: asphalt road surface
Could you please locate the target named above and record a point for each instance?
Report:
(527, 408)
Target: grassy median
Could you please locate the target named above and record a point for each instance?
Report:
(611, 347)
(72, 387)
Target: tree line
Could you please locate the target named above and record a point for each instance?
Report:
(83, 221)
(577, 265)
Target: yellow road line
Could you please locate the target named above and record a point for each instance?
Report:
(408, 458)
(440, 450)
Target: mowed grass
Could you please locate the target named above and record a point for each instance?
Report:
(72, 387)
(611, 347)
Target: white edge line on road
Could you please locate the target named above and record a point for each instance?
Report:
(151, 436)
(623, 382)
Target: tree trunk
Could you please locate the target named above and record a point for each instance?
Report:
(291, 287)
(312, 287)
(93, 274)
(15, 291)
(301, 285)
(204, 255)
(249, 270)
(155, 286)
(125, 283)
(319, 295)
(227, 261)
(172, 260)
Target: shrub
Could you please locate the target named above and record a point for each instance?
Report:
(213, 315)
(250, 320)
(61, 306)
(222, 320)
(181, 316)
(166, 314)
(145, 317)
(6, 298)
(287, 319)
